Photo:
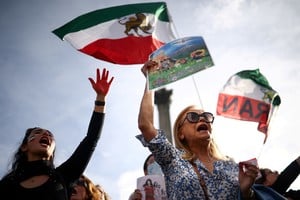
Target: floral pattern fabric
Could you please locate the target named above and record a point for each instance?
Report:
(182, 181)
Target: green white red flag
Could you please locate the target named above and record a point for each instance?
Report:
(248, 96)
(125, 34)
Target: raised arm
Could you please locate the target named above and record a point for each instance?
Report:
(287, 176)
(72, 168)
(145, 117)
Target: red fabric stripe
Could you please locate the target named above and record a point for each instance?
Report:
(243, 108)
(123, 51)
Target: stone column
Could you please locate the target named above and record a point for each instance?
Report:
(162, 101)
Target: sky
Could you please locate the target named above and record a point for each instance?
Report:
(44, 82)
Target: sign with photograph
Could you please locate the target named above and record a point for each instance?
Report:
(178, 59)
(152, 187)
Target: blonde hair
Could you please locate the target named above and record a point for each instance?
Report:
(213, 151)
(103, 194)
(94, 192)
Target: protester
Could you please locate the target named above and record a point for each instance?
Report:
(150, 167)
(85, 189)
(33, 174)
(194, 169)
(103, 194)
(282, 181)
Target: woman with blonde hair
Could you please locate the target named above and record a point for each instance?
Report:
(85, 189)
(213, 150)
(194, 169)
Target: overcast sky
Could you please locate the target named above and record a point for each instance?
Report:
(44, 82)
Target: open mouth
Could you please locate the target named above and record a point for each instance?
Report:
(202, 127)
(44, 141)
(73, 191)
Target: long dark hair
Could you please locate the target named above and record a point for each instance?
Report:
(20, 157)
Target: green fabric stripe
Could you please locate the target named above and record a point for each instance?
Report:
(256, 76)
(260, 79)
(103, 15)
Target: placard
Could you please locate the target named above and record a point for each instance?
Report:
(152, 187)
(178, 59)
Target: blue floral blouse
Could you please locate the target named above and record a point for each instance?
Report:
(182, 182)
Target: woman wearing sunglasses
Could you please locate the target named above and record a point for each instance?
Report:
(33, 174)
(85, 189)
(195, 168)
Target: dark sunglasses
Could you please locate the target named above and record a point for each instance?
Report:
(80, 183)
(194, 117)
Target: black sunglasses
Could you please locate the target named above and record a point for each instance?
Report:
(80, 183)
(194, 117)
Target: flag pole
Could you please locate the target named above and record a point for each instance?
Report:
(197, 92)
(176, 34)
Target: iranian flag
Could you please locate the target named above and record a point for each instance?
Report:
(125, 34)
(248, 96)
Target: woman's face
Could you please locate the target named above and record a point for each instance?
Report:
(79, 190)
(153, 167)
(40, 144)
(195, 125)
(271, 177)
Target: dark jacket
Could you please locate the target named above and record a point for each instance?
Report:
(285, 179)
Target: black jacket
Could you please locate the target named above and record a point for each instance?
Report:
(285, 179)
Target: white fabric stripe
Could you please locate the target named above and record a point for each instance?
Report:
(163, 32)
(114, 30)
(243, 87)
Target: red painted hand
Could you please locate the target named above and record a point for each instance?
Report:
(101, 86)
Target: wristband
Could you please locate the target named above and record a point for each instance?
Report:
(99, 103)
(251, 195)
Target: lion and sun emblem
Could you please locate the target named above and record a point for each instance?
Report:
(137, 24)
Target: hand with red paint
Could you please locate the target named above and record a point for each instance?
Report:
(102, 85)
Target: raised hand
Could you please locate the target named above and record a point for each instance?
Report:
(247, 175)
(102, 85)
(150, 64)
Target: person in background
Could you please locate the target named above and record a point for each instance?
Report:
(85, 189)
(280, 182)
(150, 167)
(195, 168)
(33, 174)
(104, 194)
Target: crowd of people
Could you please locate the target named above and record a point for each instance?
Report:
(192, 169)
